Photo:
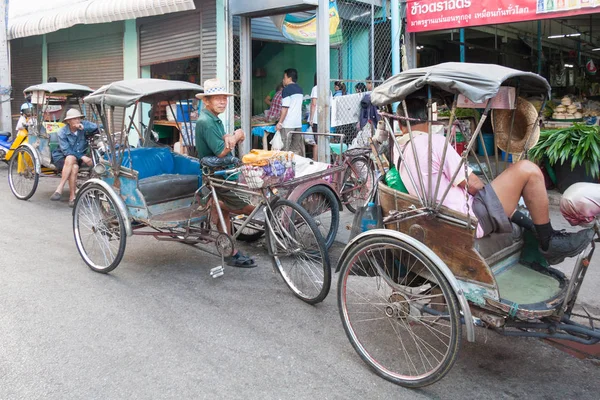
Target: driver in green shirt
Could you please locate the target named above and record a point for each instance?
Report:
(211, 140)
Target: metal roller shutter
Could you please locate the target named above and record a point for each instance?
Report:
(208, 58)
(26, 70)
(92, 62)
(175, 37)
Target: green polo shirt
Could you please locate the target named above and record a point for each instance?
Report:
(209, 134)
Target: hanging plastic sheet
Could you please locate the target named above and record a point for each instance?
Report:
(304, 30)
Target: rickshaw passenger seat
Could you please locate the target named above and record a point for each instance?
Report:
(53, 141)
(496, 243)
(163, 175)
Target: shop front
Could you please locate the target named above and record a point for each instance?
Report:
(557, 39)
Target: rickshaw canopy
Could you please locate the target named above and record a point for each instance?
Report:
(60, 87)
(128, 92)
(477, 82)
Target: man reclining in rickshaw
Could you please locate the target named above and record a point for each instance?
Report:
(211, 140)
(494, 204)
(70, 155)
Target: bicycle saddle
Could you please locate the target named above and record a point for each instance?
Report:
(580, 203)
(224, 162)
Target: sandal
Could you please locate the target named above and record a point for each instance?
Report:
(71, 203)
(55, 196)
(239, 260)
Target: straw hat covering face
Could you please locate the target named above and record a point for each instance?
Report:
(73, 113)
(213, 87)
(526, 126)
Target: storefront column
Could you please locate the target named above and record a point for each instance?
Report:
(246, 77)
(223, 47)
(130, 67)
(44, 59)
(5, 120)
(323, 97)
(396, 21)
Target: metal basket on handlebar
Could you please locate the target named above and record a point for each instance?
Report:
(277, 168)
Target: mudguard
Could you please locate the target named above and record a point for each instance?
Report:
(121, 207)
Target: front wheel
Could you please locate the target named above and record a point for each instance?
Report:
(99, 229)
(298, 251)
(322, 205)
(22, 176)
(358, 183)
(399, 311)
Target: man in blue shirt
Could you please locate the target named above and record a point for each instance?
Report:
(71, 152)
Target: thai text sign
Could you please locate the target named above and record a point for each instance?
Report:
(430, 15)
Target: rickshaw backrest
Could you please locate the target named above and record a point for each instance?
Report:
(150, 161)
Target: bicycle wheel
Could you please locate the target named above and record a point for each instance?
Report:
(399, 312)
(99, 229)
(322, 205)
(298, 251)
(22, 177)
(251, 232)
(358, 183)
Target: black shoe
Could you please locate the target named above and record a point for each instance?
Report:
(563, 245)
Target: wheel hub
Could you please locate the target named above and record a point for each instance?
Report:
(399, 307)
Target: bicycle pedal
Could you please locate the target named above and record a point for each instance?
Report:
(217, 271)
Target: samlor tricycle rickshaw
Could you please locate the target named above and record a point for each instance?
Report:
(153, 191)
(32, 158)
(406, 293)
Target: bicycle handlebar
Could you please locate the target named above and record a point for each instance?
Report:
(227, 172)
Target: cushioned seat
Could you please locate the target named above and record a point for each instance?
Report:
(165, 187)
(163, 175)
(495, 243)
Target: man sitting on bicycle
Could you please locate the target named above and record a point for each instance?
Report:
(71, 152)
(211, 140)
(494, 204)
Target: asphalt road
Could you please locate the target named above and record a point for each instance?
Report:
(160, 327)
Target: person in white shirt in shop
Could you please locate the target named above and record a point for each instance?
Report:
(291, 113)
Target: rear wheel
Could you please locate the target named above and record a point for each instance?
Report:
(251, 232)
(322, 205)
(22, 176)
(99, 229)
(399, 312)
(298, 251)
(358, 183)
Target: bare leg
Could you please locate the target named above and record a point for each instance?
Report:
(66, 171)
(73, 182)
(526, 179)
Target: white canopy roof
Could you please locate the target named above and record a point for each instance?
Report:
(90, 12)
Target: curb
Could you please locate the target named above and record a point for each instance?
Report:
(554, 197)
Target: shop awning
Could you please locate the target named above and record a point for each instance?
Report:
(91, 12)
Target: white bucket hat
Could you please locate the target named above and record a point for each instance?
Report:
(73, 113)
(213, 87)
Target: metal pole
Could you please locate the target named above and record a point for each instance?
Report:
(246, 77)
(323, 100)
(395, 13)
(539, 46)
(5, 120)
(372, 69)
(462, 44)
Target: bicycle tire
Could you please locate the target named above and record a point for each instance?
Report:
(291, 224)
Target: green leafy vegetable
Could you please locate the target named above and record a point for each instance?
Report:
(579, 143)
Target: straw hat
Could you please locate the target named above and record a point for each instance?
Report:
(213, 87)
(73, 113)
(525, 126)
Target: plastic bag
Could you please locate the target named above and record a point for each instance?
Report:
(277, 141)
